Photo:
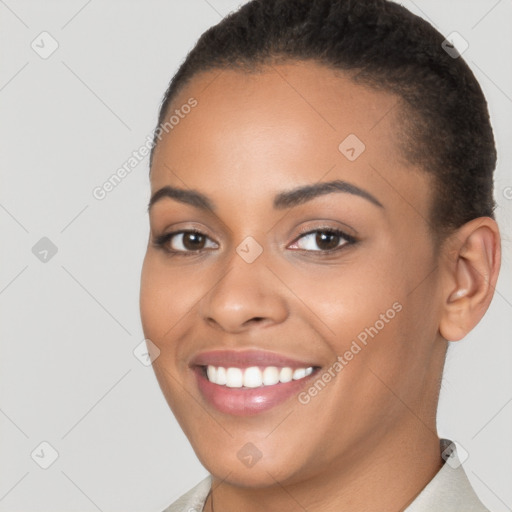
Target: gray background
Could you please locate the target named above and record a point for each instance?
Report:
(69, 325)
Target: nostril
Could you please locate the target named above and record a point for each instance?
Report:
(256, 319)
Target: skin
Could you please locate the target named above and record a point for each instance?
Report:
(368, 440)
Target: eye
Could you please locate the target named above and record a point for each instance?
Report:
(326, 240)
(184, 242)
(322, 240)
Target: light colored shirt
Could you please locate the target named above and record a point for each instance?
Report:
(449, 490)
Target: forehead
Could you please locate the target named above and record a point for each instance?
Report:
(284, 125)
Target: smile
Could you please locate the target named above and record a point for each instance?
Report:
(254, 376)
(249, 382)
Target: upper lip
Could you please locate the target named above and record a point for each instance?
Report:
(246, 358)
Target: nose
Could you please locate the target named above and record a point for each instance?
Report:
(246, 295)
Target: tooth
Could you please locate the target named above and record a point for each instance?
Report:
(285, 375)
(299, 373)
(221, 376)
(270, 376)
(234, 378)
(252, 377)
(211, 371)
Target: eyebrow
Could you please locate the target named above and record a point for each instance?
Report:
(283, 200)
(300, 195)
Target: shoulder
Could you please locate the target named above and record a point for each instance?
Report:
(193, 500)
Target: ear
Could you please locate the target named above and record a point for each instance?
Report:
(471, 263)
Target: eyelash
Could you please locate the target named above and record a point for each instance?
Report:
(161, 241)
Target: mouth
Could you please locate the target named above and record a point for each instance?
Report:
(249, 382)
(253, 376)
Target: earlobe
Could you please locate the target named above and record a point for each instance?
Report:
(470, 275)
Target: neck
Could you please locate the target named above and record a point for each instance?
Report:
(386, 474)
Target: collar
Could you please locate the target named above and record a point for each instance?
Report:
(449, 490)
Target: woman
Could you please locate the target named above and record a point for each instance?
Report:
(321, 226)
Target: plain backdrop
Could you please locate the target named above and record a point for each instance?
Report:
(70, 320)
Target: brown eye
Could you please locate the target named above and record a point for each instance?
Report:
(192, 241)
(323, 240)
(185, 242)
(327, 241)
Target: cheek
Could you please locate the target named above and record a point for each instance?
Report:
(371, 312)
(164, 297)
(150, 290)
(345, 299)
(161, 308)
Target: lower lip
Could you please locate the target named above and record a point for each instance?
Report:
(247, 401)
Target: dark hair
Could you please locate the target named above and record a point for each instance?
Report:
(443, 122)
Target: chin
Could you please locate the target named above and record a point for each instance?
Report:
(248, 467)
(259, 476)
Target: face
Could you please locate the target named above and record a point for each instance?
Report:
(289, 247)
